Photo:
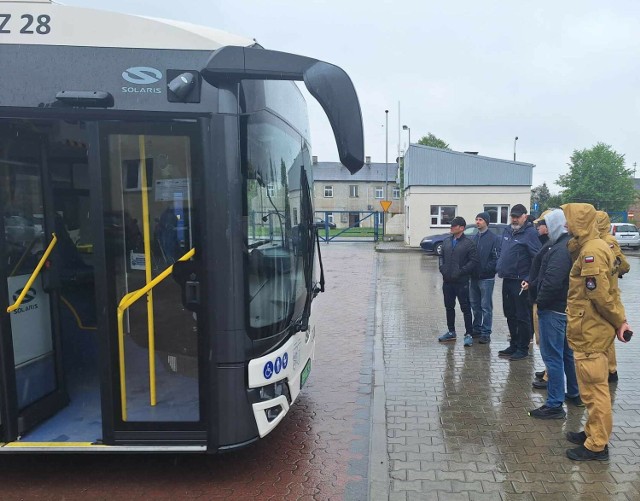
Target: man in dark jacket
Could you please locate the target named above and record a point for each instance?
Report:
(552, 289)
(519, 246)
(457, 262)
(483, 278)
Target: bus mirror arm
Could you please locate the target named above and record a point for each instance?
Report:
(329, 84)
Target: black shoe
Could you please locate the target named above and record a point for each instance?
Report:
(577, 401)
(519, 355)
(476, 335)
(613, 377)
(583, 454)
(576, 437)
(507, 352)
(539, 375)
(484, 340)
(545, 412)
(539, 385)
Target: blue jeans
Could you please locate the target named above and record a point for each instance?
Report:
(481, 297)
(557, 356)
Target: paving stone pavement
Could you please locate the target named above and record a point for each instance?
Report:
(456, 418)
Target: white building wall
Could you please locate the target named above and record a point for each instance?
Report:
(469, 201)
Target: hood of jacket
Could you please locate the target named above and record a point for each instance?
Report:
(603, 223)
(555, 222)
(581, 221)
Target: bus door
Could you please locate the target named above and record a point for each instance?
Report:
(32, 386)
(150, 179)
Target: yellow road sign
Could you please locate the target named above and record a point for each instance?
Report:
(385, 205)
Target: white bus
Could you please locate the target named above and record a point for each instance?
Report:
(159, 239)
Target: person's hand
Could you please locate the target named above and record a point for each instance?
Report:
(620, 332)
(524, 285)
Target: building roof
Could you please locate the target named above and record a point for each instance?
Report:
(427, 166)
(371, 172)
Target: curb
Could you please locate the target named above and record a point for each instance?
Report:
(378, 452)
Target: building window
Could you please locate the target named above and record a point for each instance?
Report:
(379, 218)
(498, 213)
(353, 190)
(441, 215)
(396, 193)
(328, 192)
(271, 190)
(295, 216)
(379, 192)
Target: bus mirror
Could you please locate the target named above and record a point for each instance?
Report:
(329, 84)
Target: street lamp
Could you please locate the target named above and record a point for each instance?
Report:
(407, 128)
(514, 148)
(386, 155)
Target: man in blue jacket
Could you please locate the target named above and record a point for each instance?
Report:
(552, 289)
(519, 246)
(483, 278)
(457, 262)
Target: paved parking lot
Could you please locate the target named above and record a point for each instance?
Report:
(456, 418)
(388, 413)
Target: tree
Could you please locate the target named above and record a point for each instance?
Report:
(553, 202)
(540, 194)
(598, 176)
(433, 141)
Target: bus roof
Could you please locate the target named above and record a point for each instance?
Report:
(82, 27)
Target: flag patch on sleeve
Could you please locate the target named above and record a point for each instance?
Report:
(589, 259)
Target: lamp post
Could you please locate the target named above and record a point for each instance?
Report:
(386, 154)
(407, 128)
(514, 148)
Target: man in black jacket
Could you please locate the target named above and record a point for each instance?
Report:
(552, 289)
(483, 278)
(457, 262)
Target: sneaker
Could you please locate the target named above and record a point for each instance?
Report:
(447, 336)
(577, 438)
(539, 385)
(468, 340)
(507, 352)
(613, 377)
(577, 401)
(485, 339)
(519, 355)
(539, 375)
(583, 454)
(545, 412)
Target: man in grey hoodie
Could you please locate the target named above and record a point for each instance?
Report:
(552, 289)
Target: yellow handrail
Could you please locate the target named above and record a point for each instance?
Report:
(34, 275)
(125, 303)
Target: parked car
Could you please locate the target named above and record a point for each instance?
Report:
(433, 243)
(321, 223)
(626, 234)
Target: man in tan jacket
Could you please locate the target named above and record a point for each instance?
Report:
(595, 316)
(621, 267)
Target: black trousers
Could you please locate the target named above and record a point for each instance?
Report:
(518, 312)
(451, 291)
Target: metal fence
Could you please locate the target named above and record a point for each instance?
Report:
(349, 226)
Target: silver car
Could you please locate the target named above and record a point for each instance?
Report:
(626, 234)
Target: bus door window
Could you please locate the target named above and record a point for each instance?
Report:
(156, 226)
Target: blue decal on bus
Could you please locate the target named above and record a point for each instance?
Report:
(285, 360)
(268, 370)
(278, 366)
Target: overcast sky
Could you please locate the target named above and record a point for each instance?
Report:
(559, 75)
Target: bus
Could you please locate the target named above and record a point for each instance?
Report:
(159, 249)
